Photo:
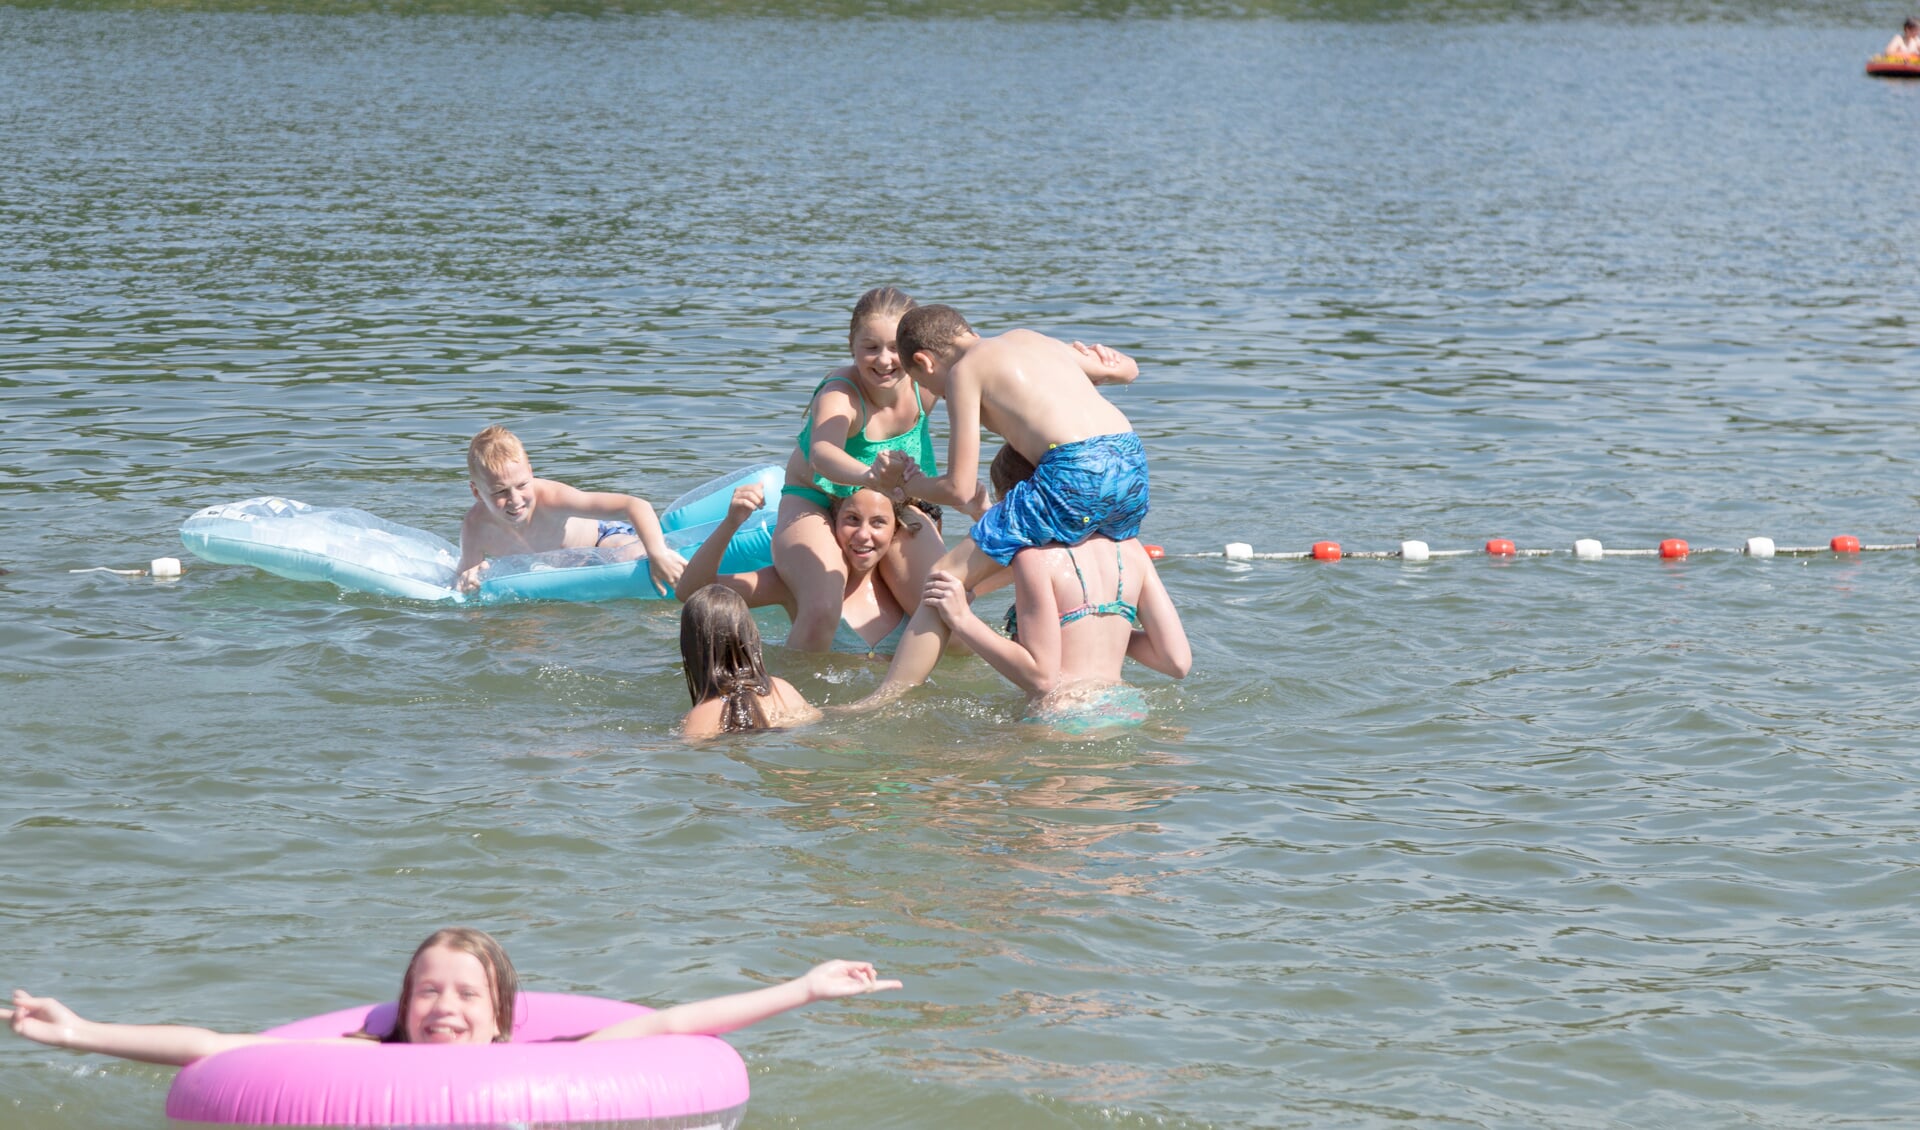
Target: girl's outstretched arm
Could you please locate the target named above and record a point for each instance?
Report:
(724, 1014)
(47, 1021)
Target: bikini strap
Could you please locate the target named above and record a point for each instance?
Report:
(1085, 600)
(859, 424)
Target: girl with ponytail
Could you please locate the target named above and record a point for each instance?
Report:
(728, 683)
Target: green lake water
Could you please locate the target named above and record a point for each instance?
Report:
(1539, 842)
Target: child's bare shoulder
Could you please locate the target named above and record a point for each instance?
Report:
(475, 525)
(547, 490)
(794, 708)
(703, 721)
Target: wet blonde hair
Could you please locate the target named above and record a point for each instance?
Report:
(720, 649)
(880, 302)
(501, 978)
(492, 449)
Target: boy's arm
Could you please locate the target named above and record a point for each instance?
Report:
(758, 588)
(47, 1021)
(664, 564)
(473, 557)
(959, 487)
(1105, 365)
(725, 1014)
(1161, 642)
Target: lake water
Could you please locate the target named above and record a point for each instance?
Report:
(1470, 843)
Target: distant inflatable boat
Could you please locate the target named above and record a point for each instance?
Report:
(1894, 66)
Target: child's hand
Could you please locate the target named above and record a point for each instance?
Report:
(890, 472)
(843, 979)
(665, 568)
(947, 596)
(470, 580)
(978, 503)
(913, 481)
(43, 1019)
(747, 498)
(1105, 364)
(1105, 354)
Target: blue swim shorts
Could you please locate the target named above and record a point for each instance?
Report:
(615, 529)
(1093, 486)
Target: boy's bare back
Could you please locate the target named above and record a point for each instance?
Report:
(1038, 392)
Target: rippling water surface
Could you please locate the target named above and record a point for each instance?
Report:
(1542, 842)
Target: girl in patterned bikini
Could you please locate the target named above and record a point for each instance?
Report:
(1064, 642)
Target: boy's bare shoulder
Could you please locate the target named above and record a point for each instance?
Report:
(546, 490)
(1025, 337)
(1010, 350)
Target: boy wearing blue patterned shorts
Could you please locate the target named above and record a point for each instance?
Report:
(1038, 393)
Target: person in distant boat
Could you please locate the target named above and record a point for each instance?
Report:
(1907, 42)
(515, 513)
(1065, 646)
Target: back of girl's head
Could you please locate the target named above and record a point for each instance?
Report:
(492, 449)
(1009, 469)
(492, 957)
(929, 329)
(880, 302)
(720, 648)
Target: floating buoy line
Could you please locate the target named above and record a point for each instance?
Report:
(1586, 549)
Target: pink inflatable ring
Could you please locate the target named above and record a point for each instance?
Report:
(675, 1080)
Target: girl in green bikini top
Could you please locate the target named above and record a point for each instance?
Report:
(916, 443)
(834, 457)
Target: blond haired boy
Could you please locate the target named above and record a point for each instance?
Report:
(513, 513)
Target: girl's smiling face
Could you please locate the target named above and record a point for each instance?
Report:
(864, 526)
(874, 352)
(451, 1000)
